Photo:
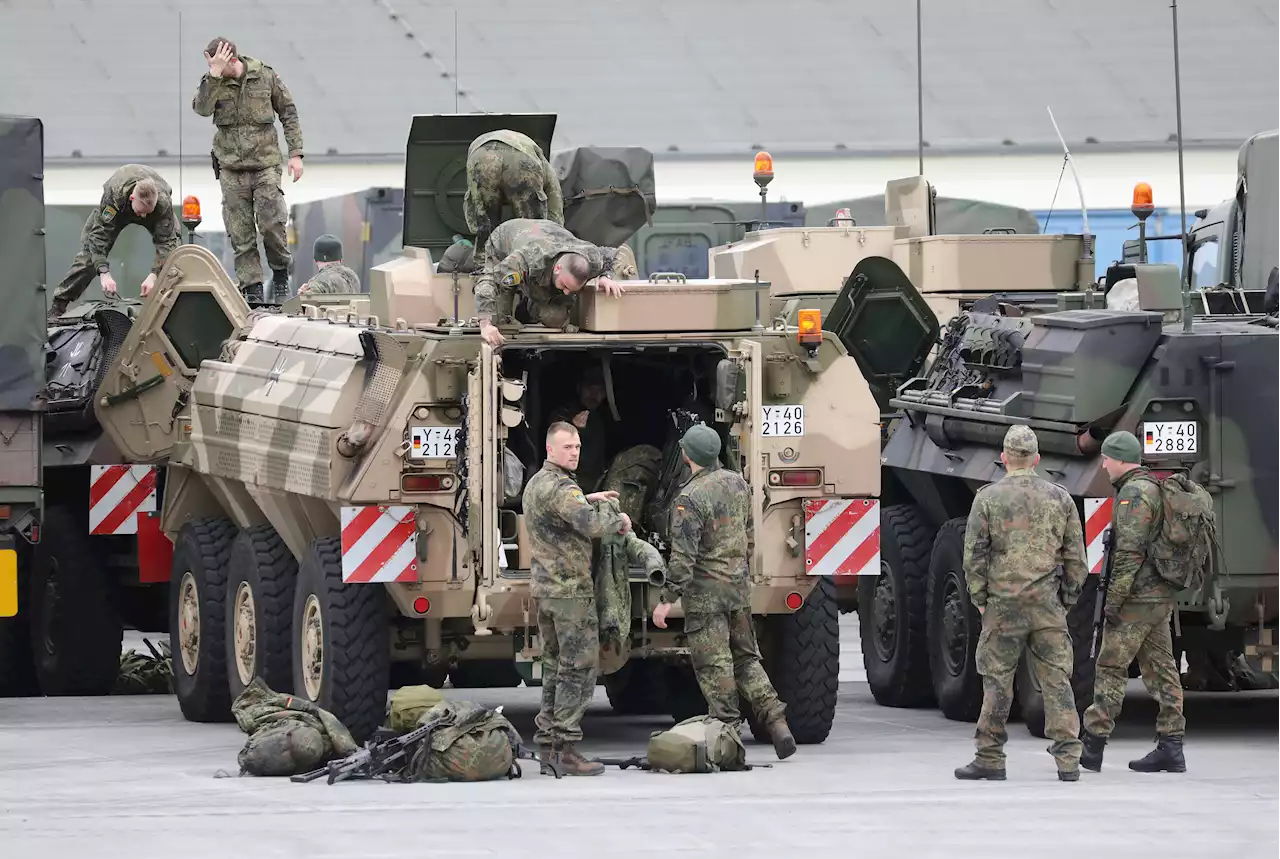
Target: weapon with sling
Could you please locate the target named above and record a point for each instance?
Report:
(1100, 604)
(380, 755)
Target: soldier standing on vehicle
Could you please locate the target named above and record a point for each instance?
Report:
(508, 167)
(1139, 607)
(244, 96)
(332, 276)
(711, 542)
(547, 264)
(135, 194)
(562, 523)
(1021, 530)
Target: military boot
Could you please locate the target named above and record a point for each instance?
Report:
(1068, 775)
(252, 294)
(976, 772)
(1091, 757)
(1165, 757)
(59, 307)
(784, 745)
(279, 286)
(571, 762)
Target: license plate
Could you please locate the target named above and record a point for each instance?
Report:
(782, 420)
(1170, 437)
(8, 582)
(433, 442)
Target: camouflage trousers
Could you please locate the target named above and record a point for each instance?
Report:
(1040, 630)
(726, 661)
(1143, 633)
(569, 628)
(82, 271)
(497, 174)
(253, 202)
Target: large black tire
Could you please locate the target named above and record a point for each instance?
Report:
(892, 612)
(806, 663)
(954, 626)
(637, 688)
(261, 579)
(76, 630)
(485, 674)
(348, 670)
(197, 615)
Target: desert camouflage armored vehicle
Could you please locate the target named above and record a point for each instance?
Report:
(343, 489)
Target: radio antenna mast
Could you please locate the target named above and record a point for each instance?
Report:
(1086, 263)
(919, 92)
(1182, 194)
(180, 197)
(457, 77)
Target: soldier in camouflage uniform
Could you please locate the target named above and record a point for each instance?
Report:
(332, 276)
(562, 523)
(545, 262)
(244, 96)
(506, 166)
(1022, 529)
(624, 264)
(712, 537)
(1139, 609)
(135, 194)
(595, 427)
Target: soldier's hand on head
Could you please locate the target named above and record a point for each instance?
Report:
(490, 333)
(148, 285)
(108, 284)
(219, 61)
(610, 286)
(295, 167)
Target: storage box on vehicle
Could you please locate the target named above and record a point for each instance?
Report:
(990, 263)
(672, 303)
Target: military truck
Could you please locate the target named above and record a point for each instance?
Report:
(81, 553)
(343, 489)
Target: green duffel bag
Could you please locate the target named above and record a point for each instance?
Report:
(698, 745)
(407, 705)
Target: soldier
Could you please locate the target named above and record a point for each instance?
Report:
(562, 523)
(624, 265)
(508, 167)
(1021, 530)
(1139, 606)
(332, 276)
(544, 261)
(593, 427)
(135, 194)
(711, 540)
(244, 96)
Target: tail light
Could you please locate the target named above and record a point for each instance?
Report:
(427, 482)
(794, 601)
(795, 477)
(421, 605)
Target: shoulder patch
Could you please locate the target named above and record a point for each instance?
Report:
(108, 213)
(512, 279)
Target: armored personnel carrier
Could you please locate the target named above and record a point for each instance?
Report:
(343, 486)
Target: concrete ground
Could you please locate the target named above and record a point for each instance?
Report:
(128, 778)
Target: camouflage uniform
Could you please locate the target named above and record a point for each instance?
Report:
(334, 279)
(615, 555)
(521, 254)
(1021, 529)
(562, 524)
(114, 213)
(508, 167)
(287, 735)
(247, 150)
(625, 266)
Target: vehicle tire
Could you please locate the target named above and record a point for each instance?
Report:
(954, 625)
(261, 580)
(76, 631)
(892, 612)
(341, 641)
(485, 674)
(806, 663)
(197, 619)
(637, 689)
(1030, 702)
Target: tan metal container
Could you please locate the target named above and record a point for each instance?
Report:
(677, 305)
(990, 263)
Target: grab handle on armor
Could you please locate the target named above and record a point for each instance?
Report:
(132, 393)
(667, 277)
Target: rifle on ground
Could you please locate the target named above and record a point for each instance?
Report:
(1100, 604)
(386, 753)
(639, 762)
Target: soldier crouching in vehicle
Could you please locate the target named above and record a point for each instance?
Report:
(332, 277)
(711, 543)
(1021, 529)
(562, 524)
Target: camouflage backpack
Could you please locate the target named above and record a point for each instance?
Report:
(633, 474)
(467, 743)
(1188, 532)
(699, 745)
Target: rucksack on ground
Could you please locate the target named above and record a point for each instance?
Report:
(407, 704)
(699, 745)
(467, 743)
(1187, 534)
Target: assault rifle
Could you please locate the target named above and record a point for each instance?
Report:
(385, 754)
(639, 762)
(1100, 603)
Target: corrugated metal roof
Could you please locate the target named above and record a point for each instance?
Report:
(671, 75)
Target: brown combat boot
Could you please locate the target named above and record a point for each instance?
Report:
(784, 745)
(571, 762)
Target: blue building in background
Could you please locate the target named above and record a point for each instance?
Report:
(1113, 227)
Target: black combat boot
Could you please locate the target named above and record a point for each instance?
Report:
(977, 772)
(59, 307)
(571, 762)
(279, 286)
(1091, 757)
(1068, 775)
(1165, 757)
(252, 294)
(784, 745)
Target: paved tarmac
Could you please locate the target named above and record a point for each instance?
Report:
(128, 778)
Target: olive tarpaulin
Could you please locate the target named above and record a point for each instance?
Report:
(608, 191)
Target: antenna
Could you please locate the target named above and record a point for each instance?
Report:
(180, 197)
(1182, 194)
(457, 78)
(1086, 255)
(919, 92)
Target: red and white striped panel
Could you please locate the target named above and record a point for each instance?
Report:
(117, 494)
(1097, 519)
(379, 544)
(842, 537)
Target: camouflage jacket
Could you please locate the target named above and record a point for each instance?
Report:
(1135, 519)
(615, 555)
(333, 279)
(520, 255)
(712, 537)
(244, 110)
(115, 212)
(527, 145)
(562, 524)
(1021, 529)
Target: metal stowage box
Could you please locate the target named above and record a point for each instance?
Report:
(990, 263)
(677, 305)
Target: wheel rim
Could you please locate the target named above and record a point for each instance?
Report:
(312, 647)
(955, 649)
(886, 613)
(245, 627)
(189, 622)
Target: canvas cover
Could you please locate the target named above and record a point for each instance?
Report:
(608, 191)
(22, 262)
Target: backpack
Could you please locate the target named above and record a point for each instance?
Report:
(467, 743)
(699, 745)
(407, 704)
(1188, 531)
